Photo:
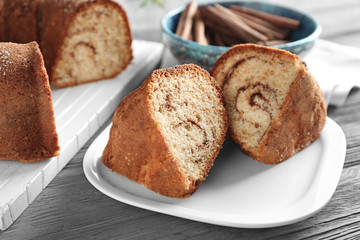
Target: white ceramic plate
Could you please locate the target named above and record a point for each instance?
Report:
(239, 191)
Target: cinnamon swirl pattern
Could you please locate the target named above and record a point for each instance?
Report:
(275, 106)
(167, 134)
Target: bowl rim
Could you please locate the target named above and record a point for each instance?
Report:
(311, 37)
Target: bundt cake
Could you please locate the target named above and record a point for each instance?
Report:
(27, 127)
(275, 106)
(19, 20)
(167, 133)
(81, 40)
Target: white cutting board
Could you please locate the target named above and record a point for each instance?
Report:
(79, 113)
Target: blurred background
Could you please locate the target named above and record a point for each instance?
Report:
(145, 17)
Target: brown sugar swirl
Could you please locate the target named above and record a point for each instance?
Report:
(250, 101)
(231, 70)
(259, 96)
(199, 133)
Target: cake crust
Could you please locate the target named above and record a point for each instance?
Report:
(27, 124)
(137, 148)
(301, 116)
(299, 123)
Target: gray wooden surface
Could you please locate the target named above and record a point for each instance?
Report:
(71, 208)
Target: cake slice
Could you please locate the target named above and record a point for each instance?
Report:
(84, 41)
(27, 127)
(167, 133)
(275, 106)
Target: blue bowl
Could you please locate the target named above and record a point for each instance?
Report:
(302, 39)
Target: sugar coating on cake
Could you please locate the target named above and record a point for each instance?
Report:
(274, 104)
(167, 133)
(27, 126)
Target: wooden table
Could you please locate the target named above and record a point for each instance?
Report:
(71, 208)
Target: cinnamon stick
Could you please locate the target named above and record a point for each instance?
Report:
(199, 30)
(270, 33)
(236, 24)
(211, 21)
(274, 19)
(218, 40)
(209, 36)
(223, 39)
(283, 31)
(229, 26)
(180, 26)
(186, 19)
(230, 40)
(191, 36)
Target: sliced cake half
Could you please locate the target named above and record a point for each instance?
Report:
(167, 133)
(275, 106)
(84, 41)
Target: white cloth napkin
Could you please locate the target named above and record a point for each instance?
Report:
(336, 68)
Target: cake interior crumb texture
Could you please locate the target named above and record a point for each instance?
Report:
(259, 93)
(188, 110)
